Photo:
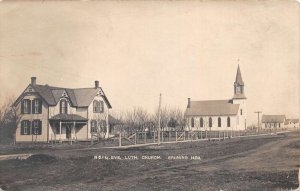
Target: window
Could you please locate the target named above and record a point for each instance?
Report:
(25, 127)
(93, 126)
(25, 106)
(96, 106)
(201, 122)
(241, 112)
(37, 127)
(278, 124)
(101, 106)
(37, 106)
(210, 122)
(192, 122)
(63, 106)
(219, 122)
(228, 121)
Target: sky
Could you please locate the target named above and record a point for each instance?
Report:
(139, 49)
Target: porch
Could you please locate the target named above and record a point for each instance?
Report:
(67, 127)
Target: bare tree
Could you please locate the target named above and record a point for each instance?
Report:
(9, 118)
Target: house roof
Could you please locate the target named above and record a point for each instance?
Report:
(291, 120)
(68, 117)
(273, 118)
(212, 108)
(81, 97)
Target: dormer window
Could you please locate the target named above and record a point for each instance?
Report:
(63, 106)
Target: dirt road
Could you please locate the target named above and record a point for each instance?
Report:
(256, 163)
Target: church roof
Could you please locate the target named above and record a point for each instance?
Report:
(273, 118)
(238, 78)
(212, 108)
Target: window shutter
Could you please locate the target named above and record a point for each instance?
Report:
(22, 127)
(30, 127)
(40, 106)
(29, 106)
(40, 128)
(60, 106)
(33, 106)
(22, 106)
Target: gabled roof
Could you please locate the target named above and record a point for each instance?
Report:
(81, 97)
(238, 78)
(273, 118)
(212, 108)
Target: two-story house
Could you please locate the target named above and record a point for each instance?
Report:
(46, 113)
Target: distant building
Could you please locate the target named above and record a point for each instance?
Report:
(227, 114)
(48, 113)
(273, 121)
(291, 123)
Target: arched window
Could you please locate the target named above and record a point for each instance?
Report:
(228, 121)
(219, 122)
(210, 122)
(192, 122)
(63, 106)
(201, 122)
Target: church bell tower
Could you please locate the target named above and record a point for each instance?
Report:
(240, 98)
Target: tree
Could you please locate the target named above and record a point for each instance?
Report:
(9, 118)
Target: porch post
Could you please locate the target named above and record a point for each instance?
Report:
(60, 130)
(74, 126)
(107, 124)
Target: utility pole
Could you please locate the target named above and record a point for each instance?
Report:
(258, 112)
(159, 113)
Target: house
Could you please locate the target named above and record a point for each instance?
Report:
(291, 123)
(48, 113)
(229, 114)
(273, 121)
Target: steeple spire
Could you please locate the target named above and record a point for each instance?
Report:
(238, 78)
(239, 85)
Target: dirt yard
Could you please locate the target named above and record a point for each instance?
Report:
(256, 163)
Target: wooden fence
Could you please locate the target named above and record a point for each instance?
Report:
(144, 137)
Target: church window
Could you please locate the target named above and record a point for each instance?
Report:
(201, 122)
(228, 121)
(219, 121)
(210, 122)
(192, 122)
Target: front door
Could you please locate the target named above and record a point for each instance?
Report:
(68, 132)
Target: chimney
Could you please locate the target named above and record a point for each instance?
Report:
(33, 81)
(189, 103)
(96, 84)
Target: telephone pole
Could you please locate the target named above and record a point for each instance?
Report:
(258, 112)
(159, 113)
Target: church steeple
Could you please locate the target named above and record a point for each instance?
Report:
(239, 85)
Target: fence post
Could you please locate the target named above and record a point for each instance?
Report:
(175, 136)
(120, 139)
(201, 134)
(184, 135)
(145, 138)
(135, 138)
(154, 136)
(205, 134)
(219, 136)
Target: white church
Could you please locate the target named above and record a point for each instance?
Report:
(229, 114)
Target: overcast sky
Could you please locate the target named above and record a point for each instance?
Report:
(140, 49)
